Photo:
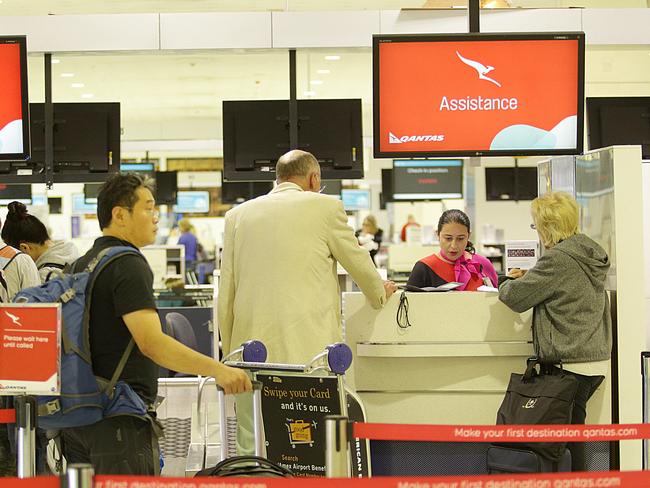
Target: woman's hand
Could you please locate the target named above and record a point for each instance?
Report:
(516, 273)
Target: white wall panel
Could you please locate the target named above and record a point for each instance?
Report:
(531, 20)
(64, 33)
(215, 30)
(617, 26)
(423, 21)
(324, 29)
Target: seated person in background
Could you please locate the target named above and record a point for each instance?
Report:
(410, 221)
(370, 235)
(189, 241)
(28, 234)
(456, 260)
(566, 289)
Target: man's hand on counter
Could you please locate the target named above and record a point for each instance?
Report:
(390, 287)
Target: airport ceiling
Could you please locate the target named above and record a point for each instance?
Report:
(177, 95)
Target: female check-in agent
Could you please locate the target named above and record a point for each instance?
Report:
(456, 260)
(566, 289)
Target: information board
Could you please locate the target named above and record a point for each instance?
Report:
(30, 349)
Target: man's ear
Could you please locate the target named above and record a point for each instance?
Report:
(118, 214)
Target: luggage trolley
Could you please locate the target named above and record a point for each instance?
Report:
(290, 403)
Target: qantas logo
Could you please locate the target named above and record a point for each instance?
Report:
(14, 319)
(393, 139)
(480, 68)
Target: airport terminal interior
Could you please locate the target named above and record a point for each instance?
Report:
(204, 96)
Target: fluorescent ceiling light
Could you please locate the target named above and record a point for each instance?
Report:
(332, 58)
(54, 60)
(87, 95)
(316, 82)
(77, 85)
(309, 93)
(323, 71)
(67, 75)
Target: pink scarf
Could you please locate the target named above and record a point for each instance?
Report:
(464, 269)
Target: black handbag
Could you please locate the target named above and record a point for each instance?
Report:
(544, 394)
(247, 466)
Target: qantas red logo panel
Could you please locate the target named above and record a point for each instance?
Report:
(11, 136)
(478, 95)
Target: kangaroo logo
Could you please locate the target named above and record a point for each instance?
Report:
(530, 403)
(481, 69)
(14, 319)
(393, 139)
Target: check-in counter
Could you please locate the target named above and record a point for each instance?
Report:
(451, 366)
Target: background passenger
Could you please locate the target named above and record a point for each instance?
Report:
(28, 234)
(457, 260)
(410, 222)
(370, 235)
(189, 240)
(566, 289)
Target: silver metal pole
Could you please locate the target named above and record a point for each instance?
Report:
(223, 423)
(25, 438)
(257, 418)
(645, 375)
(337, 458)
(79, 476)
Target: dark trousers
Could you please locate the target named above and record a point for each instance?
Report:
(587, 385)
(116, 445)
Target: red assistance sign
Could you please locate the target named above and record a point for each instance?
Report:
(30, 348)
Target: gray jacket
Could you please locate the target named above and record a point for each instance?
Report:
(51, 262)
(571, 318)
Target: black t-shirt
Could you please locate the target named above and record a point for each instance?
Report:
(125, 285)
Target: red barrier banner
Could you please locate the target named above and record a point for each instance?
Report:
(7, 416)
(624, 479)
(501, 433)
(39, 482)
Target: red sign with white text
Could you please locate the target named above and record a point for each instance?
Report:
(478, 95)
(11, 100)
(30, 349)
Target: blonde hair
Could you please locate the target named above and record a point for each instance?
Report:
(371, 222)
(556, 217)
(185, 225)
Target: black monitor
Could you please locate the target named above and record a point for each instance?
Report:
(256, 134)
(332, 187)
(387, 185)
(166, 187)
(20, 193)
(427, 179)
(91, 191)
(515, 183)
(55, 204)
(14, 116)
(619, 120)
(86, 137)
(233, 192)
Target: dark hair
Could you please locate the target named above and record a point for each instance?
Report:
(119, 191)
(23, 227)
(455, 216)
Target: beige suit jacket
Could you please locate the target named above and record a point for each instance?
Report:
(278, 273)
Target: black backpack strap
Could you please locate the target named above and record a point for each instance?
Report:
(120, 366)
(51, 265)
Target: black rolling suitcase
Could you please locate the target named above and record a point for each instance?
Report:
(245, 466)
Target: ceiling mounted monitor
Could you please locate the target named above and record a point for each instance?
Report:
(427, 180)
(256, 134)
(478, 94)
(14, 115)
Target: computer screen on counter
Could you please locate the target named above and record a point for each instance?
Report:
(14, 113)
(427, 179)
(478, 94)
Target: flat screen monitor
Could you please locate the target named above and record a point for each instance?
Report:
(619, 120)
(80, 207)
(427, 180)
(91, 190)
(86, 137)
(510, 183)
(478, 94)
(192, 202)
(192, 326)
(332, 188)
(55, 204)
(354, 199)
(14, 116)
(39, 199)
(144, 169)
(233, 192)
(256, 134)
(166, 187)
(15, 193)
(386, 187)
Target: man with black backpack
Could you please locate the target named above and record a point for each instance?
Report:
(122, 308)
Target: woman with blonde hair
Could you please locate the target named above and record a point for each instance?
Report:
(370, 235)
(566, 289)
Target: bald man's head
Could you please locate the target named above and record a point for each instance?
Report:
(299, 167)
